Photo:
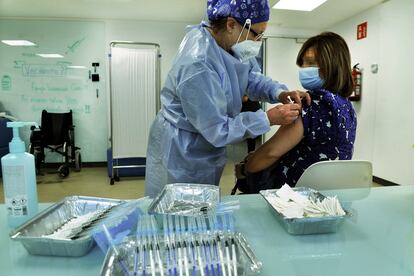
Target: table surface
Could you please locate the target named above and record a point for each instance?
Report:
(377, 240)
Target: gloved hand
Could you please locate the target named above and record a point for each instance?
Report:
(295, 96)
(283, 114)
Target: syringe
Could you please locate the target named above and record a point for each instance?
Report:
(124, 266)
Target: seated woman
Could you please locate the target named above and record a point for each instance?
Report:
(324, 131)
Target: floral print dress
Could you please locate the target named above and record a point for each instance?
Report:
(329, 134)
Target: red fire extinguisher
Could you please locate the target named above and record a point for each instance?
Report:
(357, 82)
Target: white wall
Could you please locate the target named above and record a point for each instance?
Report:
(281, 51)
(274, 30)
(394, 128)
(167, 34)
(365, 52)
(38, 83)
(385, 127)
(281, 66)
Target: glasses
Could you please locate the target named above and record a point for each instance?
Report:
(248, 24)
(257, 36)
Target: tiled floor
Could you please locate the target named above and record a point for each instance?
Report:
(95, 182)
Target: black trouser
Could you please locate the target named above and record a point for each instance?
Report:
(250, 106)
(241, 184)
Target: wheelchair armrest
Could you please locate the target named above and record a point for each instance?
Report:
(36, 135)
(34, 128)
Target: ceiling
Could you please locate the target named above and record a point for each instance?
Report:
(191, 11)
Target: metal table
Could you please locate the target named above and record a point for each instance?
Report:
(377, 240)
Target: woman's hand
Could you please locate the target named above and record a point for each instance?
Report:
(250, 154)
(239, 168)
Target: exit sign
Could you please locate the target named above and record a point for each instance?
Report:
(362, 30)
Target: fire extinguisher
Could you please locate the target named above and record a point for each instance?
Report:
(357, 82)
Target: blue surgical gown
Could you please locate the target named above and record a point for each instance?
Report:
(200, 112)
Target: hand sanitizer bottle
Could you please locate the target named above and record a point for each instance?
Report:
(19, 179)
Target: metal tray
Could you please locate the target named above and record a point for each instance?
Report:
(311, 225)
(247, 263)
(31, 234)
(185, 199)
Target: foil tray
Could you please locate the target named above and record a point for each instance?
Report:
(185, 199)
(310, 225)
(31, 234)
(123, 263)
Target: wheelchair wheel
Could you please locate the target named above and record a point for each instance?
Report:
(38, 161)
(78, 161)
(63, 171)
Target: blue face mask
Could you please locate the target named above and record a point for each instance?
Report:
(309, 78)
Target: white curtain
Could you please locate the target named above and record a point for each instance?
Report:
(133, 99)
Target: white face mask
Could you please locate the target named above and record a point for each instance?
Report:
(248, 48)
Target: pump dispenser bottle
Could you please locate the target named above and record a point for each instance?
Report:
(19, 179)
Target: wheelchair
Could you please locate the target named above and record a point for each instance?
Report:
(56, 133)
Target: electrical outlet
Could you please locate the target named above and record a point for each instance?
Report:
(95, 77)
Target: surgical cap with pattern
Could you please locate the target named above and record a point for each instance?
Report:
(255, 10)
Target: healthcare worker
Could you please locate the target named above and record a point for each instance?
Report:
(202, 97)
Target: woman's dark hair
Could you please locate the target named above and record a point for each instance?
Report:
(334, 60)
(218, 25)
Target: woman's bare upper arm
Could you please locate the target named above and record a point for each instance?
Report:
(286, 138)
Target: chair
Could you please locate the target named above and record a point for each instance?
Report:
(56, 133)
(339, 174)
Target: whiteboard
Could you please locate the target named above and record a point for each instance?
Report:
(30, 83)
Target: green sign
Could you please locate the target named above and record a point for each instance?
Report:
(6, 83)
